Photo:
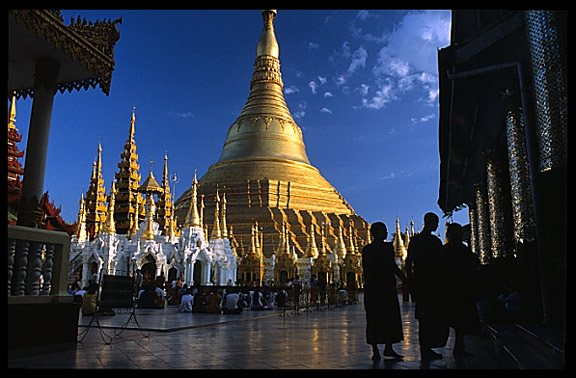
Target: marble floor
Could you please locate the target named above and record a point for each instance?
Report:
(321, 338)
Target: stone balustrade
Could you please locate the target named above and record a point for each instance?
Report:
(37, 265)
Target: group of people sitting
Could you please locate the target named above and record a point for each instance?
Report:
(233, 300)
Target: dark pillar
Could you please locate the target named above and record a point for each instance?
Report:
(45, 83)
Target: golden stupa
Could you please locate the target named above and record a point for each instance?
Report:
(266, 177)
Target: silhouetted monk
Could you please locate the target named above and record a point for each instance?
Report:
(384, 324)
(461, 268)
(426, 277)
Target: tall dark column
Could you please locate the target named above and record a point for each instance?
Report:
(45, 83)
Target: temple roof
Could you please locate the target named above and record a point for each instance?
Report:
(85, 50)
(150, 185)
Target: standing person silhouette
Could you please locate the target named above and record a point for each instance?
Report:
(426, 277)
(462, 272)
(384, 324)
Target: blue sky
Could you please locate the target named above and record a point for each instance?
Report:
(362, 85)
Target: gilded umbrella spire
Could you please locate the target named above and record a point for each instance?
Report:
(265, 128)
(267, 45)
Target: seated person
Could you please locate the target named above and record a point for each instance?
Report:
(231, 303)
(89, 299)
(213, 303)
(199, 303)
(78, 294)
(186, 301)
(160, 297)
(148, 298)
(256, 300)
(270, 301)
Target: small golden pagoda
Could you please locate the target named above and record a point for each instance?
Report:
(150, 187)
(266, 175)
(96, 198)
(129, 201)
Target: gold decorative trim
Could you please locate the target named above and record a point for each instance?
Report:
(91, 45)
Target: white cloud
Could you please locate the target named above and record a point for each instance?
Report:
(417, 38)
(328, 94)
(312, 45)
(384, 95)
(409, 59)
(358, 60)
(184, 115)
(425, 118)
(299, 114)
(326, 110)
(363, 14)
(291, 89)
(313, 86)
(340, 80)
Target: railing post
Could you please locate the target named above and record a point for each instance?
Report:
(34, 269)
(47, 268)
(11, 253)
(25, 247)
(22, 247)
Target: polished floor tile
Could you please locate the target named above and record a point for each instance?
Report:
(323, 338)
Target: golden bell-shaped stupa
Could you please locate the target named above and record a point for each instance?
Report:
(264, 169)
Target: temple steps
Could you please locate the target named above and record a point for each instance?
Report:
(527, 345)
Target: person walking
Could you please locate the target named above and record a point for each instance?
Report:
(427, 281)
(462, 274)
(383, 320)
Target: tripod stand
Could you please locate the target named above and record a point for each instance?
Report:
(107, 339)
(119, 331)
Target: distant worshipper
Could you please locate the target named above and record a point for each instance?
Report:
(149, 298)
(186, 301)
(256, 300)
(213, 303)
(270, 300)
(89, 299)
(231, 303)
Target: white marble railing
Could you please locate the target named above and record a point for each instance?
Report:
(37, 262)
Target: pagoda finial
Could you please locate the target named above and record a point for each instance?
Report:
(216, 233)
(81, 224)
(132, 122)
(109, 225)
(223, 226)
(192, 217)
(267, 45)
(12, 115)
(99, 161)
(311, 248)
(202, 210)
(165, 172)
(148, 233)
(134, 221)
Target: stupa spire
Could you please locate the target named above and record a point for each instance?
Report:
(265, 128)
(96, 197)
(80, 231)
(109, 225)
(223, 223)
(216, 233)
(267, 44)
(192, 217)
(128, 199)
(264, 165)
(164, 205)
